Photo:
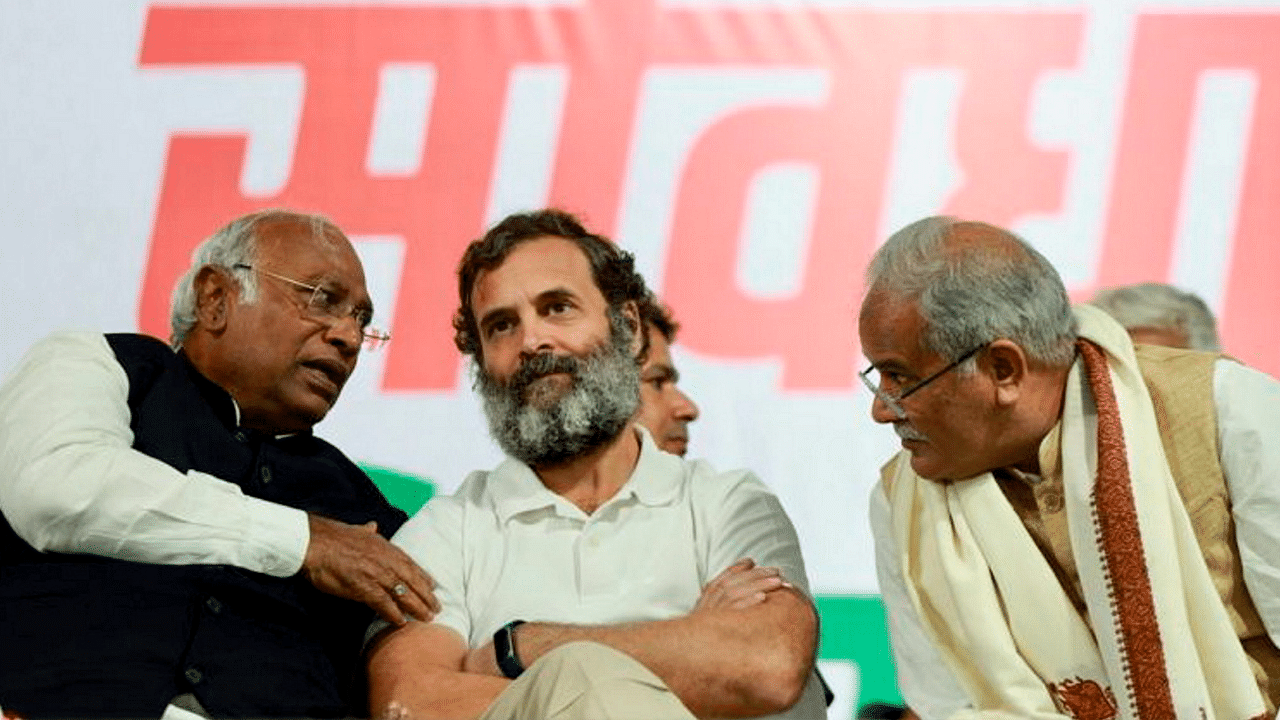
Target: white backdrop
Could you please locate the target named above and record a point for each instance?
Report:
(1128, 140)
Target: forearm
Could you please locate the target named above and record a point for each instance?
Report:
(416, 668)
(70, 480)
(720, 663)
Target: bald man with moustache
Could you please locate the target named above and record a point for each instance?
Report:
(1075, 527)
(175, 541)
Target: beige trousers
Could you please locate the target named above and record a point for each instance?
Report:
(587, 681)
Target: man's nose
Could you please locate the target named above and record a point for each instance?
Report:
(534, 338)
(685, 409)
(884, 412)
(345, 333)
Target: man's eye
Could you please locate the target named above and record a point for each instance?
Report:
(901, 379)
(893, 377)
(325, 300)
(558, 307)
(497, 327)
(362, 316)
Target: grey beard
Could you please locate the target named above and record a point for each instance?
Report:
(600, 402)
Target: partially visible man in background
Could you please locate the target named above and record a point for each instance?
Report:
(174, 537)
(1160, 314)
(664, 408)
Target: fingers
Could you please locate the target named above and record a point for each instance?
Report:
(354, 562)
(412, 590)
(729, 572)
(386, 607)
(763, 577)
(741, 585)
(750, 588)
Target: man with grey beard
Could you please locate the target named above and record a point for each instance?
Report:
(629, 582)
(543, 432)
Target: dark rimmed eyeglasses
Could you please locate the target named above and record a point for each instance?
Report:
(893, 400)
(327, 306)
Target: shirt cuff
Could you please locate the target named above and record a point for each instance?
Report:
(275, 538)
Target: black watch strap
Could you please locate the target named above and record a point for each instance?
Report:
(504, 647)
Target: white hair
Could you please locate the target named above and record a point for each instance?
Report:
(236, 243)
(1157, 305)
(968, 296)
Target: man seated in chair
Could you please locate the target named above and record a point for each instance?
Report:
(590, 574)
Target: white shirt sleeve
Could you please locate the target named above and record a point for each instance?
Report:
(1248, 404)
(71, 482)
(434, 537)
(928, 687)
(747, 521)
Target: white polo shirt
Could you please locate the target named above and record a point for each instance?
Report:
(503, 547)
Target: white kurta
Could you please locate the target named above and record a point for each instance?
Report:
(1248, 409)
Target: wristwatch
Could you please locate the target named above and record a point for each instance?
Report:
(504, 647)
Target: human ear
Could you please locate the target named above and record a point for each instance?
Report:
(639, 341)
(213, 295)
(1006, 364)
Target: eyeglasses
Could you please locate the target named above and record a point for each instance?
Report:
(893, 400)
(326, 305)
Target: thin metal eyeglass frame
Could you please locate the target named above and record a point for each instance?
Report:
(894, 403)
(373, 338)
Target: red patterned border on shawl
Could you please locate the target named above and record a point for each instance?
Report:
(1132, 600)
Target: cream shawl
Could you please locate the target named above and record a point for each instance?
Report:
(1157, 642)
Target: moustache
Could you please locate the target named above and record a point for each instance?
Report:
(540, 366)
(906, 432)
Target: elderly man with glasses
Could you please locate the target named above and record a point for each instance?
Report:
(1077, 526)
(174, 539)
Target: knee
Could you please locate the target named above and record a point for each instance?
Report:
(588, 659)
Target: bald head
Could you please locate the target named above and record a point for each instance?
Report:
(973, 282)
(970, 334)
(966, 236)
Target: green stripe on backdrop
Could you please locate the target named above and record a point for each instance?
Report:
(854, 630)
(405, 491)
(853, 626)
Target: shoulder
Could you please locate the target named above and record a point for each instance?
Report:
(1161, 360)
(1232, 375)
(707, 483)
(72, 343)
(720, 496)
(439, 525)
(476, 486)
(323, 448)
(311, 445)
(1245, 397)
(136, 343)
(143, 357)
(68, 354)
(450, 509)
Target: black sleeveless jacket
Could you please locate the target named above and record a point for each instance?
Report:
(88, 636)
